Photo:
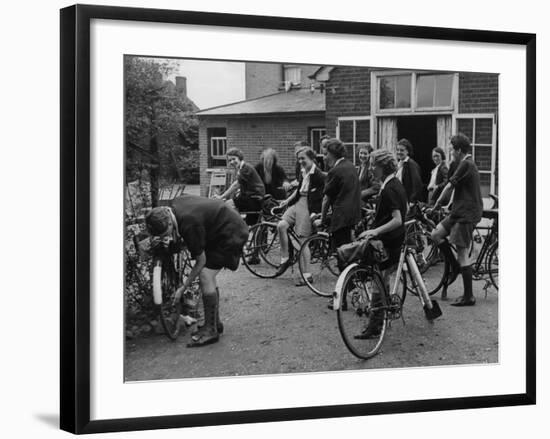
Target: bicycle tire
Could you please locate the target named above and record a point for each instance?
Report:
(323, 265)
(359, 310)
(492, 264)
(165, 279)
(262, 244)
(435, 271)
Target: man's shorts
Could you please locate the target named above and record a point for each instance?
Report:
(297, 216)
(460, 234)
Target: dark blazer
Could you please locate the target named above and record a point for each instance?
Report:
(441, 179)
(367, 180)
(314, 193)
(411, 180)
(344, 193)
(278, 177)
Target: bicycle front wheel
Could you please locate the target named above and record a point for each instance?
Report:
(492, 264)
(262, 251)
(165, 283)
(362, 316)
(318, 265)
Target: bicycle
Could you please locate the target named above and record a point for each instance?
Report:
(171, 264)
(262, 251)
(355, 302)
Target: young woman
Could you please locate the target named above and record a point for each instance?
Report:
(303, 202)
(248, 183)
(388, 225)
(214, 234)
(369, 185)
(272, 174)
(408, 171)
(439, 175)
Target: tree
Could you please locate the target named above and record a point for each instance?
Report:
(161, 127)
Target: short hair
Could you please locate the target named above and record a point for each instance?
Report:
(157, 220)
(235, 152)
(300, 143)
(461, 142)
(385, 159)
(440, 151)
(308, 152)
(336, 148)
(366, 146)
(407, 144)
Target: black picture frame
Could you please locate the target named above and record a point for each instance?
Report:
(75, 217)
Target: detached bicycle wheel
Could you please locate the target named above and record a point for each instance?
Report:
(318, 265)
(262, 251)
(165, 283)
(492, 264)
(363, 306)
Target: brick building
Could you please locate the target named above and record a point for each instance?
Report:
(381, 106)
(280, 109)
(357, 105)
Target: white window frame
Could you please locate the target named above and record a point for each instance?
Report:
(322, 131)
(214, 140)
(493, 145)
(354, 119)
(375, 91)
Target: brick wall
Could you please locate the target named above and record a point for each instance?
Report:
(347, 94)
(254, 134)
(478, 93)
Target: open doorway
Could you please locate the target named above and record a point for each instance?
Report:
(422, 133)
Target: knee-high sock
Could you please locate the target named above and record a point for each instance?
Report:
(467, 281)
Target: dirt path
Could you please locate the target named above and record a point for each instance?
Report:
(274, 327)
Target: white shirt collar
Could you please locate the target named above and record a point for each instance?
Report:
(241, 164)
(312, 170)
(338, 161)
(388, 178)
(465, 157)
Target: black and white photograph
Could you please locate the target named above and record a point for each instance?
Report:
(285, 218)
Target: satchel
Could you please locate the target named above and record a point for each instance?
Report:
(367, 252)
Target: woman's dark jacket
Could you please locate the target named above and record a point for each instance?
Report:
(278, 177)
(314, 193)
(412, 181)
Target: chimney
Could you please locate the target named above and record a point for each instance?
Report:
(181, 85)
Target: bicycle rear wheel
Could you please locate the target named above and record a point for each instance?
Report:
(363, 304)
(492, 264)
(262, 251)
(320, 272)
(431, 262)
(165, 283)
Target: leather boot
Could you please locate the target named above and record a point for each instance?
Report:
(219, 322)
(375, 323)
(209, 332)
(468, 298)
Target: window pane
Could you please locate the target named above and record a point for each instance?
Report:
(362, 131)
(350, 151)
(425, 91)
(443, 90)
(465, 126)
(482, 156)
(293, 74)
(485, 183)
(387, 92)
(484, 131)
(346, 131)
(403, 91)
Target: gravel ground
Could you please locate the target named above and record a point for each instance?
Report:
(271, 326)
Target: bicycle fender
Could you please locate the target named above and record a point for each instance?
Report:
(157, 288)
(337, 294)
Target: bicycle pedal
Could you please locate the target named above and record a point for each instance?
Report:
(434, 312)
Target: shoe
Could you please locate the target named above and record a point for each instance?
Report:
(282, 268)
(253, 260)
(370, 331)
(330, 305)
(302, 283)
(462, 301)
